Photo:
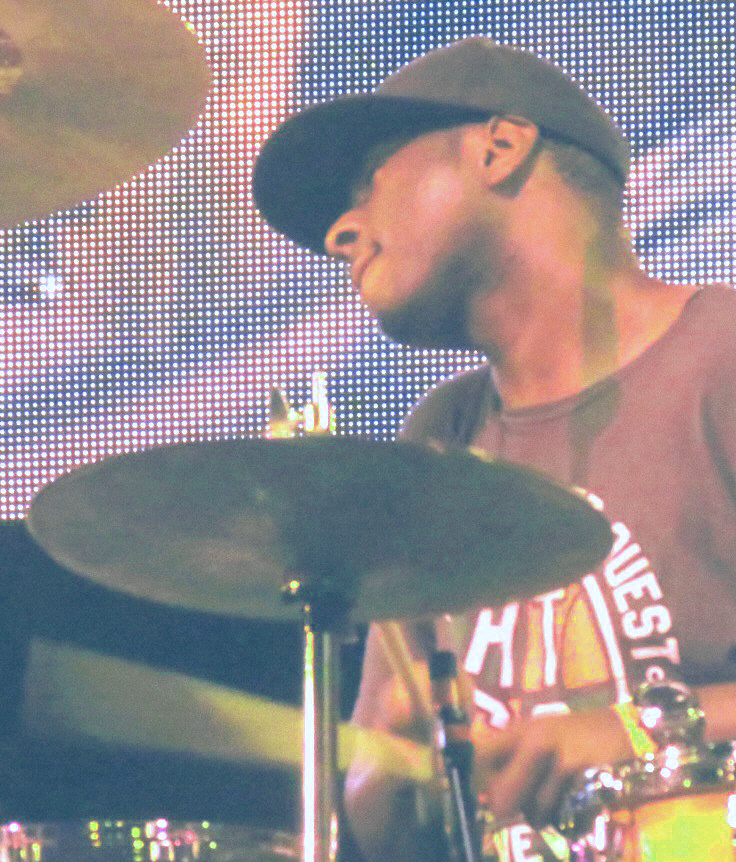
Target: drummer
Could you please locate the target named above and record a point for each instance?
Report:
(477, 199)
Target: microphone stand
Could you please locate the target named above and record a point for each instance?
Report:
(457, 753)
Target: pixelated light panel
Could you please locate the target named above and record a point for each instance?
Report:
(164, 310)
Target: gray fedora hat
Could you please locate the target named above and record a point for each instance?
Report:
(304, 173)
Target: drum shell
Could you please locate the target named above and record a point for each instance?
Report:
(687, 828)
(676, 804)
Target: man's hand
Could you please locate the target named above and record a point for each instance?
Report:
(529, 767)
(392, 818)
(396, 711)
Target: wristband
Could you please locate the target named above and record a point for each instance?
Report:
(641, 742)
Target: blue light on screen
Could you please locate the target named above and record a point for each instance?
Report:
(164, 310)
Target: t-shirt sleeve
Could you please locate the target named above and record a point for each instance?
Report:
(719, 419)
(450, 412)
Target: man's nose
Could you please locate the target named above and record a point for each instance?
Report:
(341, 239)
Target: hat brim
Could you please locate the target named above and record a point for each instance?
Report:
(303, 176)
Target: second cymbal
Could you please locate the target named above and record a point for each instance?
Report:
(91, 92)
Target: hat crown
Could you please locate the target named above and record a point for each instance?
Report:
(480, 74)
(470, 72)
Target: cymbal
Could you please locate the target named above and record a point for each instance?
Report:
(80, 695)
(391, 530)
(91, 92)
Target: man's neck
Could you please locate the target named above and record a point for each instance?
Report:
(553, 338)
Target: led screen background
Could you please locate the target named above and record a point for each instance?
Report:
(164, 310)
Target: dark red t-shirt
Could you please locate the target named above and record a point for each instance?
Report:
(654, 446)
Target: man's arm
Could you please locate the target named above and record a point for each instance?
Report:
(392, 818)
(528, 767)
(718, 702)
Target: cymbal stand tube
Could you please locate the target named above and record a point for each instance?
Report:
(321, 658)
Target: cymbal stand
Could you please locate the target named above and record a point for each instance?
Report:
(324, 614)
(323, 618)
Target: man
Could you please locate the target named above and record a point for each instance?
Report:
(476, 197)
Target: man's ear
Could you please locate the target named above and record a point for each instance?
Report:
(509, 148)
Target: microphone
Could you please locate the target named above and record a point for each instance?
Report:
(456, 746)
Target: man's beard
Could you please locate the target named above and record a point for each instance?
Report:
(436, 316)
(433, 318)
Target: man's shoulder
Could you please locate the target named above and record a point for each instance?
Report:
(714, 303)
(708, 323)
(450, 410)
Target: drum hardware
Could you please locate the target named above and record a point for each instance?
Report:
(628, 813)
(455, 745)
(324, 612)
(324, 616)
(283, 420)
(316, 417)
(87, 98)
(356, 531)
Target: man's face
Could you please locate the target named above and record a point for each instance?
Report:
(417, 238)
